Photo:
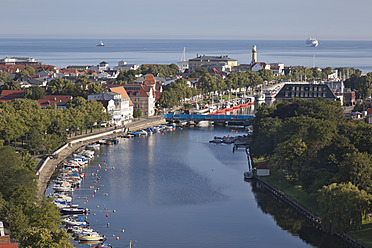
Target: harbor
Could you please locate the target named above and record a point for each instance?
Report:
(145, 190)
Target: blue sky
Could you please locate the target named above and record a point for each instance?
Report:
(192, 19)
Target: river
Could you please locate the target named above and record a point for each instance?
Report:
(178, 190)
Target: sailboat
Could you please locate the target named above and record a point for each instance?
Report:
(100, 44)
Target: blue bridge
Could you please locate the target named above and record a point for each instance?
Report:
(217, 119)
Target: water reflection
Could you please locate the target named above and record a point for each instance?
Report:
(291, 221)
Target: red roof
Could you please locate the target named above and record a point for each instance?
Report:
(369, 111)
(120, 90)
(9, 245)
(8, 95)
(50, 100)
(262, 166)
(149, 79)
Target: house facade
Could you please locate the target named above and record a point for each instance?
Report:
(222, 62)
(117, 103)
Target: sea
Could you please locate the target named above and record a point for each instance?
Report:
(64, 52)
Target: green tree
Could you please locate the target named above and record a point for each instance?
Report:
(266, 75)
(45, 238)
(342, 207)
(27, 71)
(34, 93)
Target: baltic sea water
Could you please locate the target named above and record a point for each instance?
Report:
(64, 52)
(178, 190)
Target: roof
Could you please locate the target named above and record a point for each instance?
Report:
(306, 91)
(369, 111)
(120, 90)
(9, 245)
(149, 79)
(8, 95)
(262, 167)
(50, 100)
(212, 58)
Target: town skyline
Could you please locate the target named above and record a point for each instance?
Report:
(165, 19)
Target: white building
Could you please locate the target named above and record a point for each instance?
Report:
(117, 103)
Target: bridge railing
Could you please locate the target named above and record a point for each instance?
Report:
(208, 117)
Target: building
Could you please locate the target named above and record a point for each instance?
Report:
(369, 116)
(124, 66)
(51, 100)
(262, 170)
(349, 97)
(222, 63)
(117, 103)
(306, 91)
(19, 61)
(9, 95)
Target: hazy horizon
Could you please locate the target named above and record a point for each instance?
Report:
(169, 19)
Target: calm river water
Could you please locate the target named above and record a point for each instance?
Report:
(179, 190)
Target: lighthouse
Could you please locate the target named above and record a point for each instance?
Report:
(254, 55)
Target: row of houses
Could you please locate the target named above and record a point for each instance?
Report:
(119, 100)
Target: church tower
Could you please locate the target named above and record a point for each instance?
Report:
(254, 55)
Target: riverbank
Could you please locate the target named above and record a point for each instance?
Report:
(310, 216)
(48, 166)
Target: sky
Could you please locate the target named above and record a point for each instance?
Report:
(191, 19)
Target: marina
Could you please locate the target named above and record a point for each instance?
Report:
(143, 189)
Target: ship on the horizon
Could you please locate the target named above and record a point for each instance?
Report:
(100, 44)
(312, 42)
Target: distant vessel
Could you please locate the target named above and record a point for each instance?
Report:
(311, 42)
(100, 44)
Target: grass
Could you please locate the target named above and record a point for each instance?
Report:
(295, 192)
(365, 233)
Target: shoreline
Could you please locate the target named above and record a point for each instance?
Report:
(308, 215)
(50, 164)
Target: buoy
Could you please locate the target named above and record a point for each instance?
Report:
(105, 169)
(92, 195)
(106, 215)
(105, 208)
(114, 211)
(113, 235)
(95, 191)
(86, 197)
(122, 230)
(79, 197)
(86, 217)
(117, 238)
(108, 225)
(97, 206)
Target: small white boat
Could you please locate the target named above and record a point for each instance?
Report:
(312, 42)
(100, 44)
(74, 222)
(90, 236)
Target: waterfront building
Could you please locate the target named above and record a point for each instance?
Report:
(117, 103)
(144, 95)
(19, 61)
(222, 63)
(306, 91)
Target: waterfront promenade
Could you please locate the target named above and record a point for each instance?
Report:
(47, 167)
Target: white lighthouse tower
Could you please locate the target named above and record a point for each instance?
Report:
(254, 55)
